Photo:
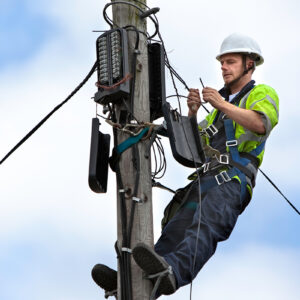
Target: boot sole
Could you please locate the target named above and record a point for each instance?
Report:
(152, 263)
(105, 277)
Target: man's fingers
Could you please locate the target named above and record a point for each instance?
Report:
(194, 94)
(194, 100)
(207, 88)
(193, 97)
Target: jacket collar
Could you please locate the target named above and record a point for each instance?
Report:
(225, 92)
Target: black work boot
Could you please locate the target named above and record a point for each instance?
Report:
(106, 278)
(152, 263)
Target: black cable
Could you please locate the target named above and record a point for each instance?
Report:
(162, 159)
(136, 156)
(173, 72)
(125, 258)
(155, 162)
(160, 162)
(158, 159)
(111, 23)
(187, 98)
(129, 110)
(29, 134)
(168, 65)
(124, 266)
(197, 171)
(127, 230)
(274, 185)
(121, 268)
(123, 214)
(177, 96)
(133, 68)
(176, 74)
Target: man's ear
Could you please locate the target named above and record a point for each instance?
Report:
(250, 64)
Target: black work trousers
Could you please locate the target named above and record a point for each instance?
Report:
(218, 213)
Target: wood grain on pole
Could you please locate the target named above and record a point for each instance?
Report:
(143, 221)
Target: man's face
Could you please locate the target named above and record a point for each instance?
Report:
(231, 66)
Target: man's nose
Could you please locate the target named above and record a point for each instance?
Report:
(223, 67)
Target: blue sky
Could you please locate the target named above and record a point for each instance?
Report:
(22, 32)
(53, 228)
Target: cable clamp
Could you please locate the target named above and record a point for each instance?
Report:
(136, 51)
(147, 13)
(111, 293)
(124, 249)
(122, 191)
(136, 199)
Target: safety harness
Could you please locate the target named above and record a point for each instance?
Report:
(224, 130)
(243, 165)
(223, 167)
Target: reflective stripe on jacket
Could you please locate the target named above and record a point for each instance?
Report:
(262, 99)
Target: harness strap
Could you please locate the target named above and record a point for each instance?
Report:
(235, 155)
(250, 170)
(210, 181)
(244, 169)
(117, 151)
(131, 141)
(255, 152)
(251, 156)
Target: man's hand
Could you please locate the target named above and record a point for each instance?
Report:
(247, 118)
(193, 102)
(212, 96)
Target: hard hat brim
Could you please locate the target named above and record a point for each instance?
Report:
(258, 61)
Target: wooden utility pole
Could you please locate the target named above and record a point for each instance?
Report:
(142, 230)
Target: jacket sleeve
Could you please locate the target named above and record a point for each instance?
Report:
(264, 100)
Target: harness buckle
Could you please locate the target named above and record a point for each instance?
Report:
(211, 130)
(222, 177)
(231, 143)
(206, 167)
(223, 159)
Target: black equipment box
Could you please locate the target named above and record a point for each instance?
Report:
(184, 138)
(99, 154)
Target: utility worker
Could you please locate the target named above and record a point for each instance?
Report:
(237, 130)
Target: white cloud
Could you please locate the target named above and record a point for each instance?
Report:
(46, 204)
(250, 272)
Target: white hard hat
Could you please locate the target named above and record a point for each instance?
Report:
(239, 43)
